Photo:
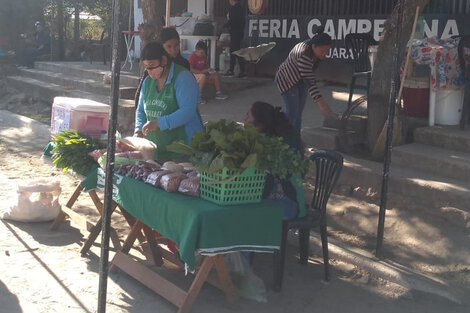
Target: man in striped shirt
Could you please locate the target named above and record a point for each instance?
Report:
(296, 76)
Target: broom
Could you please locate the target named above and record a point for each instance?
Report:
(379, 148)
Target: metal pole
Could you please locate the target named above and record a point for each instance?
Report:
(108, 187)
(388, 144)
(167, 15)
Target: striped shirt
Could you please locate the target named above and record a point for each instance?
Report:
(299, 67)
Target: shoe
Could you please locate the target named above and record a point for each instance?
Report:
(229, 73)
(201, 102)
(221, 96)
(241, 75)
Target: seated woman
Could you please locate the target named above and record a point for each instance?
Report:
(167, 108)
(272, 121)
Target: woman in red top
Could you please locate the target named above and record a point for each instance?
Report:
(199, 66)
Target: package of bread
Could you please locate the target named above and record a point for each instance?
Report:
(143, 145)
(187, 166)
(155, 177)
(190, 186)
(172, 166)
(171, 182)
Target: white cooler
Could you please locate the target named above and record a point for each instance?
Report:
(448, 106)
(83, 115)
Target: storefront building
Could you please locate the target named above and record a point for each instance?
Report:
(288, 22)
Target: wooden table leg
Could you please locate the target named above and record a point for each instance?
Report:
(156, 254)
(95, 231)
(225, 280)
(60, 218)
(96, 200)
(131, 221)
(198, 281)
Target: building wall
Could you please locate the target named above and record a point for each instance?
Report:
(288, 22)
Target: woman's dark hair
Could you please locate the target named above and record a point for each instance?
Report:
(168, 33)
(201, 45)
(271, 120)
(320, 38)
(154, 51)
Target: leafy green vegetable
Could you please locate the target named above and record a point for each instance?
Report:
(71, 151)
(228, 144)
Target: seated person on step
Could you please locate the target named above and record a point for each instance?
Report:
(200, 68)
(39, 44)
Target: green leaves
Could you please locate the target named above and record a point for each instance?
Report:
(180, 147)
(71, 151)
(228, 144)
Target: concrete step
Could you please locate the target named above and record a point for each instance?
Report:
(328, 138)
(79, 83)
(68, 81)
(363, 179)
(434, 160)
(449, 137)
(96, 71)
(87, 71)
(48, 91)
(357, 123)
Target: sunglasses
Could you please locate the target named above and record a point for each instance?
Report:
(151, 68)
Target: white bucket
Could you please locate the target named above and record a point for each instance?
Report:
(448, 106)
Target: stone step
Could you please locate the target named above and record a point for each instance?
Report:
(87, 71)
(357, 123)
(439, 161)
(96, 71)
(328, 138)
(48, 91)
(449, 137)
(363, 179)
(85, 84)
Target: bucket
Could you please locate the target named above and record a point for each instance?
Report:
(416, 97)
(448, 107)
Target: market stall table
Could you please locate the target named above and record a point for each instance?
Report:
(442, 58)
(197, 226)
(88, 186)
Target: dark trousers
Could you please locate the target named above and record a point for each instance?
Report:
(236, 44)
(29, 56)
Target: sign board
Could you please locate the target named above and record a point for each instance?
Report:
(286, 32)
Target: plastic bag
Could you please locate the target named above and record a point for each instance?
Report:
(171, 182)
(249, 285)
(145, 146)
(155, 177)
(37, 201)
(190, 186)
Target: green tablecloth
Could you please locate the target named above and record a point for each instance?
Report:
(197, 225)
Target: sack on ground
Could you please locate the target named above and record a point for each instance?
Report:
(37, 201)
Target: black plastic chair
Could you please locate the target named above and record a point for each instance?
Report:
(465, 43)
(328, 165)
(359, 44)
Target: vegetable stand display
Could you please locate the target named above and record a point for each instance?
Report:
(196, 226)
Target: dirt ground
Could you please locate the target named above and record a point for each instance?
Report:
(43, 271)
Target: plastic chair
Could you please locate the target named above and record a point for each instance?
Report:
(328, 166)
(359, 46)
(104, 43)
(464, 43)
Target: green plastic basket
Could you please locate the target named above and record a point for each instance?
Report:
(220, 188)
